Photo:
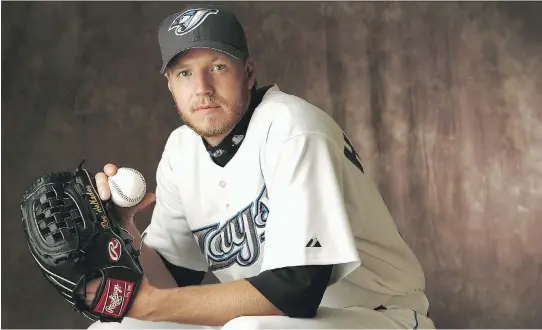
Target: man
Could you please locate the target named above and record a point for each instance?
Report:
(266, 191)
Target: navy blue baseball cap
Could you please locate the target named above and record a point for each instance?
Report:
(202, 26)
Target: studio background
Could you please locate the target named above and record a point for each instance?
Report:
(442, 101)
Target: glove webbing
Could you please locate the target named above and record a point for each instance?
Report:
(57, 216)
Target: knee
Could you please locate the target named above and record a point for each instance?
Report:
(245, 323)
(100, 325)
(111, 325)
(126, 323)
(251, 323)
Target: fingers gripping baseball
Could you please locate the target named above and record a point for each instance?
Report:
(126, 188)
(103, 186)
(102, 181)
(110, 169)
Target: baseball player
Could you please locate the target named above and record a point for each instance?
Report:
(266, 191)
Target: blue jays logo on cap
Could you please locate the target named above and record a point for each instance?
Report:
(190, 19)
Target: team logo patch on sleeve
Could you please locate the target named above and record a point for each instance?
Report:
(190, 19)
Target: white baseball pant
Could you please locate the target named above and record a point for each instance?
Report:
(394, 317)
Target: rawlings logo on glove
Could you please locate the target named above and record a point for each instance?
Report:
(114, 249)
(74, 237)
(113, 304)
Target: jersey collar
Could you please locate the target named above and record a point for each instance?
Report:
(224, 152)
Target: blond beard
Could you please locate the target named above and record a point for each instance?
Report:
(210, 130)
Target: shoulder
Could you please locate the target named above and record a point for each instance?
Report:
(287, 116)
(181, 142)
(180, 139)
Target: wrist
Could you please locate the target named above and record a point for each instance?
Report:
(131, 228)
(145, 303)
(131, 232)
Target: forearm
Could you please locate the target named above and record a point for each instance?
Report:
(211, 305)
(154, 269)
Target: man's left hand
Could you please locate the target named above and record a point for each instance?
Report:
(138, 305)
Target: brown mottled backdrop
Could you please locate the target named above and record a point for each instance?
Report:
(442, 100)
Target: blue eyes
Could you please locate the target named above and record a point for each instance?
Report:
(216, 67)
(219, 66)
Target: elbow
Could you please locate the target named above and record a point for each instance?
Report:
(274, 311)
(295, 291)
(308, 314)
(299, 308)
(302, 311)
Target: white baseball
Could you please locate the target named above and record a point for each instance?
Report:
(127, 187)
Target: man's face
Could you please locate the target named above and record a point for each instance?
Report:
(211, 90)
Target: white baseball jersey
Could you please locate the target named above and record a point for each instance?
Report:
(295, 193)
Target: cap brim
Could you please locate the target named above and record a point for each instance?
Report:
(215, 45)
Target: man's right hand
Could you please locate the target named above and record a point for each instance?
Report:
(154, 268)
(127, 213)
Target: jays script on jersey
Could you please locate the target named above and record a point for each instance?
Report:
(295, 193)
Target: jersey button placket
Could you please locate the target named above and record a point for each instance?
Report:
(222, 184)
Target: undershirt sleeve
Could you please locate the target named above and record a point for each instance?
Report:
(296, 291)
(183, 276)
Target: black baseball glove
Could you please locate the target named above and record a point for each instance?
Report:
(74, 237)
